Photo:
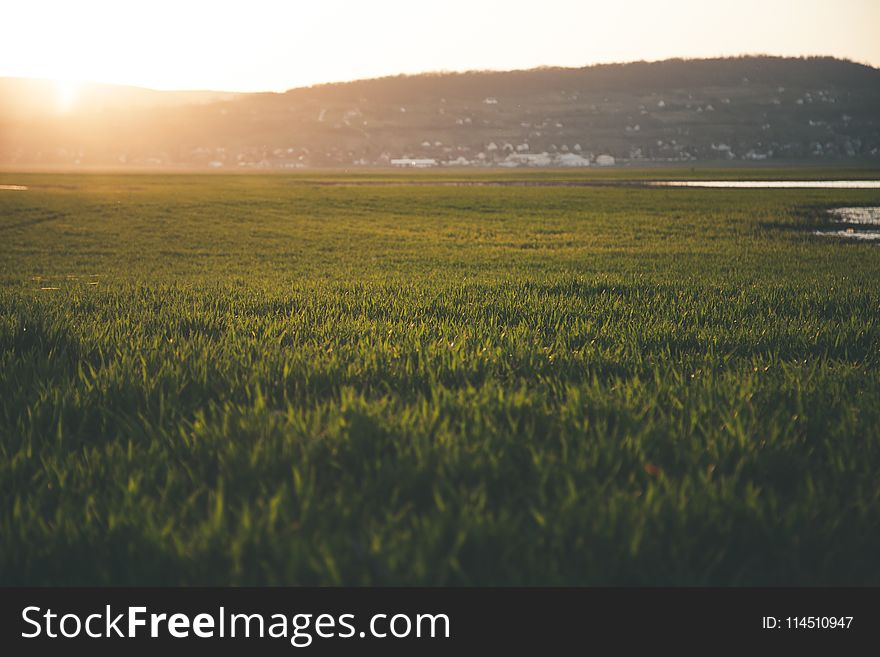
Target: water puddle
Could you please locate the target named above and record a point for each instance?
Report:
(863, 216)
(855, 223)
(611, 182)
(770, 184)
(851, 234)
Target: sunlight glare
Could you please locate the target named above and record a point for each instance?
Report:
(66, 93)
(274, 45)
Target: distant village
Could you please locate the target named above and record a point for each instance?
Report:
(678, 128)
(562, 129)
(506, 156)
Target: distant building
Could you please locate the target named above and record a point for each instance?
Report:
(418, 163)
(572, 160)
(530, 159)
(605, 160)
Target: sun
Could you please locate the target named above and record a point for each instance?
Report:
(66, 94)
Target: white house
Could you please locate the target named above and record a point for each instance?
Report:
(418, 163)
(572, 160)
(605, 160)
(530, 159)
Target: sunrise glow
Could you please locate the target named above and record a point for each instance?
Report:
(276, 45)
(66, 92)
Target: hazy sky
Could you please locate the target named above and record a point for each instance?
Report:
(277, 44)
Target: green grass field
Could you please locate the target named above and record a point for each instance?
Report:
(274, 380)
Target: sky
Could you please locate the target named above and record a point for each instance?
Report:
(273, 45)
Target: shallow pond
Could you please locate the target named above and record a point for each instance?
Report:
(771, 184)
(855, 223)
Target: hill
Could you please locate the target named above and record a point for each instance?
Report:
(747, 108)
